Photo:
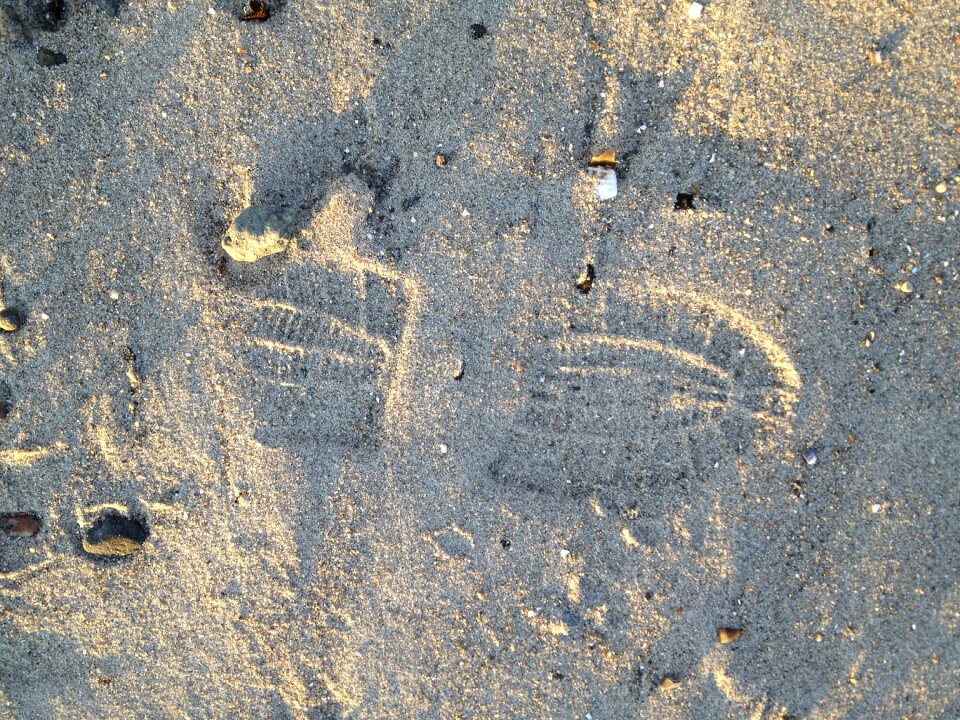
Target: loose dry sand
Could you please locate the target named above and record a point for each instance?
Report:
(407, 468)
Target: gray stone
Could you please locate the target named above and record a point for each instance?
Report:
(257, 232)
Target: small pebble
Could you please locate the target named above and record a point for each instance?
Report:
(478, 30)
(810, 456)
(875, 508)
(564, 554)
(668, 683)
(695, 11)
(906, 287)
(115, 534)
(114, 295)
(257, 232)
(10, 320)
(604, 158)
(941, 188)
(728, 635)
(443, 448)
(876, 57)
(440, 160)
(20, 525)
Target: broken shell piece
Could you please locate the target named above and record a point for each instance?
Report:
(604, 158)
(606, 182)
(876, 57)
(695, 10)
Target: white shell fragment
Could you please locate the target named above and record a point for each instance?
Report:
(695, 10)
(606, 182)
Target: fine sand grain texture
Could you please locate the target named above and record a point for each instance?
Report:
(476, 443)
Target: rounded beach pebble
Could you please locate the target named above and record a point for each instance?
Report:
(258, 231)
(10, 320)
(115, 534)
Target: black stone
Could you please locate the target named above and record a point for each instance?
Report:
(10, 320)
(585, 282)
(115, 534)
(50, 58)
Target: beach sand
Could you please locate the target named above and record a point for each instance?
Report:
(478, 444)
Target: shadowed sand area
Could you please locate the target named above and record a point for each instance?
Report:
(478, 444)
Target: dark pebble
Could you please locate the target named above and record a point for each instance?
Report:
(725, 636)
(585, 281)
(478, 30)
(50, 58)
(258, 11)
(112, 7)
(114, 534)
(684, 202)
(10, 320)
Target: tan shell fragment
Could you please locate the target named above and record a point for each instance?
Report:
(668, 683)
(604, 158)
(728, 635)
